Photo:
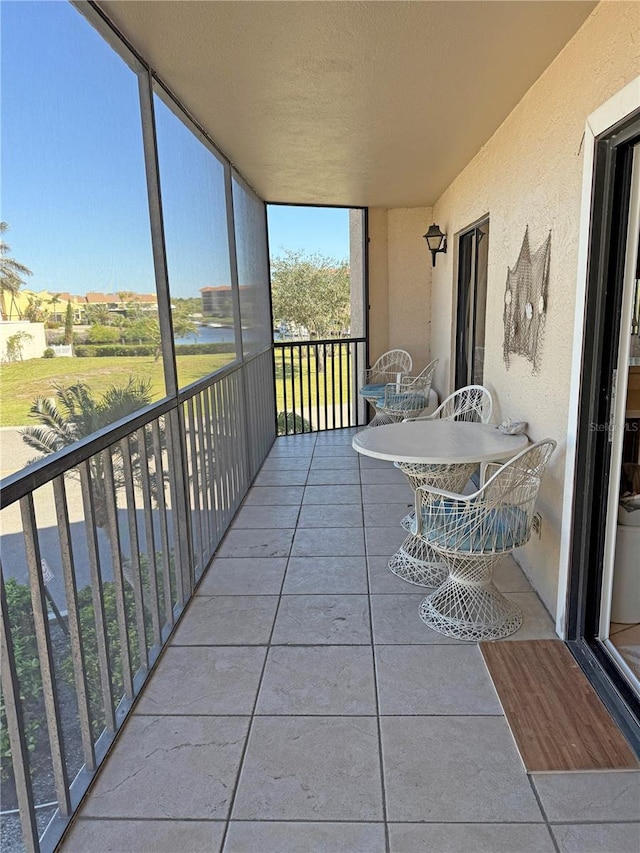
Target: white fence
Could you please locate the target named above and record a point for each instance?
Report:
(62, 350)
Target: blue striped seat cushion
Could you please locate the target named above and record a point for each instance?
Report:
(403, 402)
(374, 390)
(502, 529)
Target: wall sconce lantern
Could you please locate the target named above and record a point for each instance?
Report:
(436, 240)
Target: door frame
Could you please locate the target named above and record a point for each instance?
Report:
(595, 352)
(617, 422)
(469, 338)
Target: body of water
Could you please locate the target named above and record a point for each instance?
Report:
(208, 335)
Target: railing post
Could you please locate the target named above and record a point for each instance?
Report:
(180, 507)
(75, 628)
(95, 577)
(45, 653)
(15, 728)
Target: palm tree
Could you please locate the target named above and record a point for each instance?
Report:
(35, 311)
(55, 301)
(74, 413)
(11, 274)
(98, 314)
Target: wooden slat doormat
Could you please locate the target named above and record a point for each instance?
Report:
(556, 717)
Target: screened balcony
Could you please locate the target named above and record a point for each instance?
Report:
(285, 696)
(303, 705)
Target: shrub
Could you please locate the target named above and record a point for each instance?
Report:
(90, 647)
(25, 649)
(27, 662)
(103, 335)
(48, 353)
(110, 350)
(88, 628)
(205, 349)
(289, 421)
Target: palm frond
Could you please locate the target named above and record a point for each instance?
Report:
(43, 439)
(119, 401)
(46, 411)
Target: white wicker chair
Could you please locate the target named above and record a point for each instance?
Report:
(415, 561)
(474, 404)
(405, 398)
(390, 367)
(471, 534)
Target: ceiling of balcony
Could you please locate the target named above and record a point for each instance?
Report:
(354, 103)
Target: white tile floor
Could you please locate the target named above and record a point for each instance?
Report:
(302, 705)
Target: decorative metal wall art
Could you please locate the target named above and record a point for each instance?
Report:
(525, 303)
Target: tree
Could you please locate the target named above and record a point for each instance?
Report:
(141, 330)
(55, 301)
(103, 334)
(311, 291)
(98, 314)
(75, 413)
(183, 325)
(35, 311)
(68, 325)
(15, 344)
(11, 274)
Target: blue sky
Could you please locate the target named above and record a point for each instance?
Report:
(319, 230)
(73, 182)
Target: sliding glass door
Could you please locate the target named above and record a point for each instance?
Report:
(473, 253)
(604, 601)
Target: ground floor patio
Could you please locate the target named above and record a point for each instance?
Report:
(302, 705)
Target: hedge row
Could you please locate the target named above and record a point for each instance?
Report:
(110, 350)
(107, 350)
(205, 349)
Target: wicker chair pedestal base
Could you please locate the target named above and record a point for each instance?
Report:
(417, 563)
(471, 612)
(382, 419)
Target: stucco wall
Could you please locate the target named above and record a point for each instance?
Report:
(400, 283)
(530, 173)
(32, 346)
(378, 284)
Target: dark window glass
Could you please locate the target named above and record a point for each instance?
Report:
(192, 185)
(253, 268)
(81, 308)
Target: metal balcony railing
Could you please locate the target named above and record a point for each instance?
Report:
(317, 384)
(128, 520)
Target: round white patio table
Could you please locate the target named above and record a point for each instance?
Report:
(453, 450)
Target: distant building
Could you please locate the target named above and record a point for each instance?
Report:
(120, 303)
(55, 303)
(216, 301)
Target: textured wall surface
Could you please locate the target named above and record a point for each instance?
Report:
(378, 284)
(400, 282)
(410, 283)
(530, 173)
(32, 346)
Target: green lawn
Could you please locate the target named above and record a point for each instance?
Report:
(22, 381)
(305, 384)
